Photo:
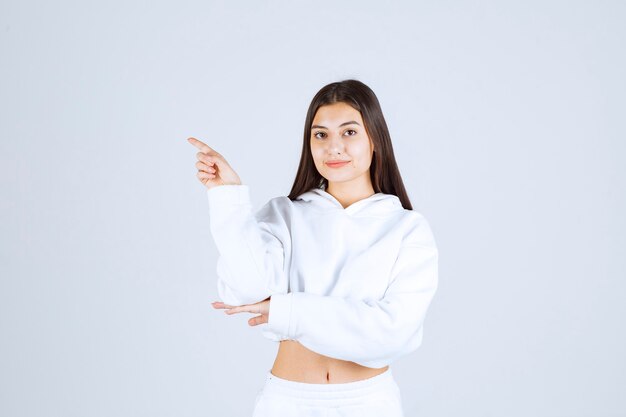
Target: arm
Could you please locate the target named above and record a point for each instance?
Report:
(251, 261)
(372, 333)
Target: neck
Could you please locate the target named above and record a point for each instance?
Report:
(349, 192)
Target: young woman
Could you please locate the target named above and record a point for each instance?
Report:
(341, 271)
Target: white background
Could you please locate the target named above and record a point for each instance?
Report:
(507, 120)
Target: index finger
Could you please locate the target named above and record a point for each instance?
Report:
(200, 145)
(220, 303)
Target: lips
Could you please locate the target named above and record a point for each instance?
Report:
(336, 163)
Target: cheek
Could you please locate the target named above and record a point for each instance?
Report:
(318, 155)
(360, 151)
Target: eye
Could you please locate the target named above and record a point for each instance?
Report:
(317, 133)
(352, 130)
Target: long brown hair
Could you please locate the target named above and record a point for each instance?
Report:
(384, 171)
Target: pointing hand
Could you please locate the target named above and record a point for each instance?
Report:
(213, 170)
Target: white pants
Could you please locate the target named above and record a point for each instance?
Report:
(377, 396)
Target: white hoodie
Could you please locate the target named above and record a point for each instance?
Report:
(349, 283)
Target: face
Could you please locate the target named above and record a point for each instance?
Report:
(338, 133)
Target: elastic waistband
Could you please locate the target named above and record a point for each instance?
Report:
(330, 391)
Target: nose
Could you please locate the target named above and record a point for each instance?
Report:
(334, 144)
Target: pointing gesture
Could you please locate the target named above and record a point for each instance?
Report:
(213, 170)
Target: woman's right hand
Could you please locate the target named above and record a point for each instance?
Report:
(213, 170)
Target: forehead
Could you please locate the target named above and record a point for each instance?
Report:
(332, 115)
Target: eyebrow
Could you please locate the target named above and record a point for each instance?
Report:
(343, 124)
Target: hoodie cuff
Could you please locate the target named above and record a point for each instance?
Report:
(280, 314)
(228, 195)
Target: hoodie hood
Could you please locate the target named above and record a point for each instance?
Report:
(376, 204)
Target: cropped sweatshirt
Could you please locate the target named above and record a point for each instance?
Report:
(350, 283)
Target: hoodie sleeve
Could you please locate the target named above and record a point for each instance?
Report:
(372, 333)
(251, 264)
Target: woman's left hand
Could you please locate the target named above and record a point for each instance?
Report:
(262, 308)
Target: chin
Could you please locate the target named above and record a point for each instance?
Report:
(338, 179)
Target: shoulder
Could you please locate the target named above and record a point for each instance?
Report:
(275, 207)
(417, 228)
(279, 203)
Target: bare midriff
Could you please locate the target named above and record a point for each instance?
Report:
(295, 362)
